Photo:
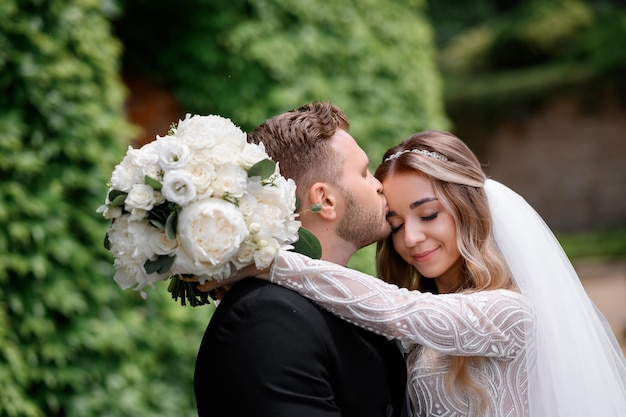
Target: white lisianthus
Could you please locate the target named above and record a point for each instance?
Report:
(173, 155)
(230, 180)
(178, 187)
(210, 232)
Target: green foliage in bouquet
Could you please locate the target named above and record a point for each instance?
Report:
(71, 343)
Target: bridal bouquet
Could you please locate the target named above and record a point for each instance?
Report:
(200, 202)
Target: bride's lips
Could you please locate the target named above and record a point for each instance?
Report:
(424, 256)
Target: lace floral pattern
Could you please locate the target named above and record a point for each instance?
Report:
(494, 325)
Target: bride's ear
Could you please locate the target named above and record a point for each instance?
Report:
(322, 194)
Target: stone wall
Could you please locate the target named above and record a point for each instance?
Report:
(566, 156)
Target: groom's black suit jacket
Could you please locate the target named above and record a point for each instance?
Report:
(268, 351)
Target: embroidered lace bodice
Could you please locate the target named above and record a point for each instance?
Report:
(492, 325)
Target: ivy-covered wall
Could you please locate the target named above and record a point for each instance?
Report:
(72, 344)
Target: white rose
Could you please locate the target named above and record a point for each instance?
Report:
(245, 255)
(251, 154)
(173, 155)
(226, 153)
(266, 253)
(210, 233)
(140, 196)
(178, 187)
(158, 198)
(247, 204)
(160, 244)
(230, 180)
(138, 214)
(203, 177)
(109, 212)
(126, 173)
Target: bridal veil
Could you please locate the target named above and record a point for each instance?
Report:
(580, 369)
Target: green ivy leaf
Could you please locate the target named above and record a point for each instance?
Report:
(170, 224)
(161, 265)
(263, 169)
(308, 244)
(155, 184)
(117, 198)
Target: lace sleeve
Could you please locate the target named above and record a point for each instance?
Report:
(487, 323)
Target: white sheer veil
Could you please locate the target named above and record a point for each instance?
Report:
(580, 369)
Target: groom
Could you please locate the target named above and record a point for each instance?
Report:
(269, 352)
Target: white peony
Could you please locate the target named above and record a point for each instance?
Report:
(208, 131)
(126, 238)
(126, 174)
(210, 232)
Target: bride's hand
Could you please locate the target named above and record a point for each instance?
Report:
(222, 286)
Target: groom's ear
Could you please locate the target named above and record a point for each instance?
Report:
(322, 193)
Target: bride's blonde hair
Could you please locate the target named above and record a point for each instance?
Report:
(457, 179)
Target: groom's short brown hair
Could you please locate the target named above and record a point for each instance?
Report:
(299, 141)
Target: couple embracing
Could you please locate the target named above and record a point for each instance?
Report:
(471, 314)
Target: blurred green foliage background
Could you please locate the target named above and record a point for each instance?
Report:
(71, 342)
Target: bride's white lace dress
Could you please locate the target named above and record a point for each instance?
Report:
(493, 325)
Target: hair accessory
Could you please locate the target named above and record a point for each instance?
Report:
(419, 151)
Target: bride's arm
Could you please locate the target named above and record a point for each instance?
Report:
(491, 323)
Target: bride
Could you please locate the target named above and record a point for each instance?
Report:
(491, 312)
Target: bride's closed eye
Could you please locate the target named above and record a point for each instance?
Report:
(430, 217)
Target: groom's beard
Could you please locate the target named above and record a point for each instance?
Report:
(361, 225)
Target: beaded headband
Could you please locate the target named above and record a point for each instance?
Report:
(419, 151)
